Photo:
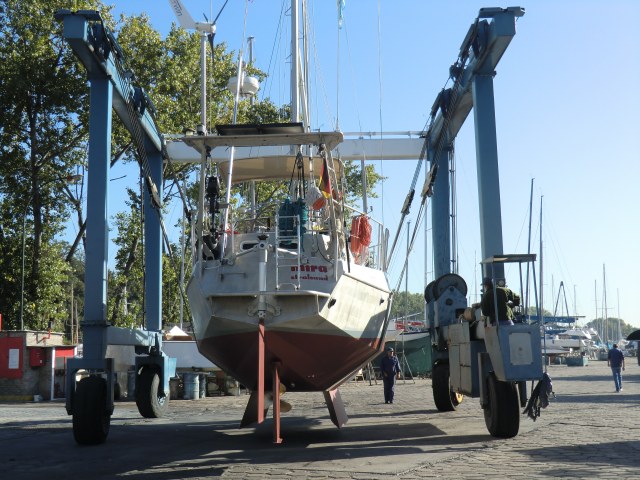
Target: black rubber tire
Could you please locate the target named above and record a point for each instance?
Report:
(502, 414)
(150, 399)
(446, 400)
(90, 418)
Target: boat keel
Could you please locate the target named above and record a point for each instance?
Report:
(337, 412)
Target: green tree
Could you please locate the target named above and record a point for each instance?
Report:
(43, 94)
(168, 71)
(608, 328)
(411, 303)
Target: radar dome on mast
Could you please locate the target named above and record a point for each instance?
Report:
(249, 85)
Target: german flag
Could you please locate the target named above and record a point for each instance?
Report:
(325, 183)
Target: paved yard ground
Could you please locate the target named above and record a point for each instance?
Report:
(588, 431)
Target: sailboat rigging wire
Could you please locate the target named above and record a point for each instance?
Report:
(414, 235)
(305, 63)
(447, 105)
(339, 25)
(380, 111)
(235, 119)
(215, 20)
(353, 76)
(186, 206)
(264, 92)
(529, 238)
(407, 203)
(143, 161)
(319, 82)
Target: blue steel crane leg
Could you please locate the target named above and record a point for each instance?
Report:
(153, 274)
(487, 166)
(440, 216)
(153, 248)
(94, 325)
(96, 48)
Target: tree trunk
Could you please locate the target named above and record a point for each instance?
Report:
(125, 273)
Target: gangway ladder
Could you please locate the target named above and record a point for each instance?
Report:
(285, 256)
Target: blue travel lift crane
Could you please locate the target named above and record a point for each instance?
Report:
(473, 355)
(90, 400)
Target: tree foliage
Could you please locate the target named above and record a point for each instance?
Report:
(43, 96)
(608, 328)
(407, 303)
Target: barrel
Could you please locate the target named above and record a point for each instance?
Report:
(191, 386)
(203, 385)
(174, 388)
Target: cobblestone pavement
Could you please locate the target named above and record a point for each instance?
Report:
(588, 431)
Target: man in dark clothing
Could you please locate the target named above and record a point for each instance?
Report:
(615, 360)
(505, 298)
(390, 368)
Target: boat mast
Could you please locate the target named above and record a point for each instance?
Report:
(618, 297)
(526, 293)
(295, 63)
(595, 296)
(541, 271)
(604, 306)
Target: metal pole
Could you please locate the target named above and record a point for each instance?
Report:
(250, 40)
(295, 63)
(24, 226)
(619, 331)
(182, 247)
(203, 84)
(251, 102)
(406, 285)
(541, 272)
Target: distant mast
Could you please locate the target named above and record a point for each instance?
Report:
(295, 63)
(605, 311)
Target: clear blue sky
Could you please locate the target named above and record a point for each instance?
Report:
(566, 107)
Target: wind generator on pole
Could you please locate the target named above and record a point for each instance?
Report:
(207, 32)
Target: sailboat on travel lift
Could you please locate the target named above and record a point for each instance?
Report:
(294, 302)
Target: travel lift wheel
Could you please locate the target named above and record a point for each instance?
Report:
(91, 420)
(151, 400)
(502, 412)
(446, 400)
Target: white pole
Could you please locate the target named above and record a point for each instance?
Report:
(182, 247)
(53, 372)
(295, 63)
(203, 84)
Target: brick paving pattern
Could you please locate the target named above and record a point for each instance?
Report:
(588, 431)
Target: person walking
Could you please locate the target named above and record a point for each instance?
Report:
(615, 359)
(389, 367)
